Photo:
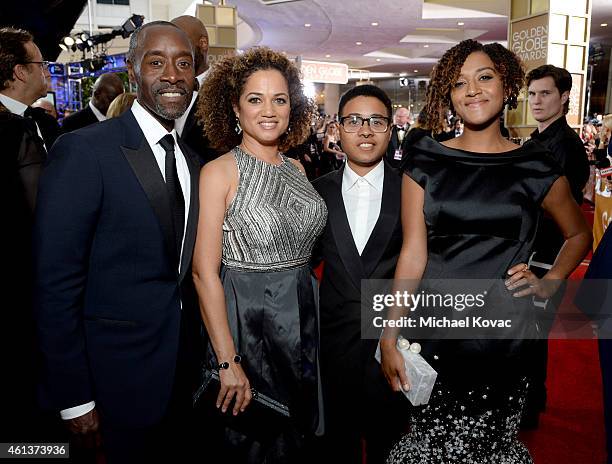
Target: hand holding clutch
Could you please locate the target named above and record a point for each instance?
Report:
(422, 376)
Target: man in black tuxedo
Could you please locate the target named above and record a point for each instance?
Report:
(188, 126)
(397, 148)
(106, 88)
(362, 240)
(115, 230)
(23, 79)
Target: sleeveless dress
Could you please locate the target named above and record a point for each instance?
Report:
(269, 231)
(481, 212)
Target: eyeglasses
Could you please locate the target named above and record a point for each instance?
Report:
(44, 64)
(353, 123)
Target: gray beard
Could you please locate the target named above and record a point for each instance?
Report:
(171, 113)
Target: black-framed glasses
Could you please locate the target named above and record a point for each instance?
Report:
(44, 64)
(353, 123)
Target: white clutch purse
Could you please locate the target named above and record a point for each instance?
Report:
(421, 375)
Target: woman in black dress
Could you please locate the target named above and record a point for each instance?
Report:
(470, 209)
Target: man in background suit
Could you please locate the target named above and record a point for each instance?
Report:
(23, 79)
(187, 126)
(548, 92)
(106, 88)
(115, 229)
(361, 240)
(397, 147)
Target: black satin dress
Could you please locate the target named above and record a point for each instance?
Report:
(481, 212)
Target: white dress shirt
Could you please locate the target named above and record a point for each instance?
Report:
(18, 108)
(179, 124)
(153, 132)
(362, 197)
(97, 113)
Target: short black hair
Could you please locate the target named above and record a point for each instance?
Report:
(366, 90)
(561, 77)
(135, 37)
(12, 52)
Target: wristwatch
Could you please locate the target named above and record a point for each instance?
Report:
(225, 365)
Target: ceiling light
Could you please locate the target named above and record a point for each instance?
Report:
(328, 56)
(357, 43)
(377, 59)
(416, 70)
(604, 24)
(68, 41)
(460, 23)
(426, 46)
(307, 25)
(79, 40)
(374, 23)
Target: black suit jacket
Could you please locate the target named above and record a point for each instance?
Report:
(358, 401)
(194, 138)
(109, 291)
(49, 127)
(82, 118)
(21, 163)
(344, 268)
(394, 144)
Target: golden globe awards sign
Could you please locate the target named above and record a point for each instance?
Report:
(529, 40)
(324, 72)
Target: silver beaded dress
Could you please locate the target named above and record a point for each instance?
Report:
(269, 231)
(481, 212)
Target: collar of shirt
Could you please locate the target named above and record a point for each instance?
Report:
(152, 129)
(551, 130)
(201, 77)
(374, 178)
(153, 132)
(97, 113)
(14, 106)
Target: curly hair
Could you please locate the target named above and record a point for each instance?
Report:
(12, 52)
(223, 87)
(507, 64)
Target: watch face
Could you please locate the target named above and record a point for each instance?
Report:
(237, 358)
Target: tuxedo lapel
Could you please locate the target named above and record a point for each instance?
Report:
(143, 163)
(387, 221)
(192, 218)
(191, 119)
(341, 229)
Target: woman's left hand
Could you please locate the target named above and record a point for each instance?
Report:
(526, 281)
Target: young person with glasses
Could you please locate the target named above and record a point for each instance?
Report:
(361, 240)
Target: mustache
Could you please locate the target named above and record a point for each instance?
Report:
(180, 88)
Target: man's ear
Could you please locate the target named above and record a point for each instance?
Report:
(19, 73)
(204, 43)
(565, 96)
(131, 73)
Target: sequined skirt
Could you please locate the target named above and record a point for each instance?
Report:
(475, 426)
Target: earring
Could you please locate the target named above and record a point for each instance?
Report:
(238, 129)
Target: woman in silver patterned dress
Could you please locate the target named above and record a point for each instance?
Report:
(470, 210)
(259, 219)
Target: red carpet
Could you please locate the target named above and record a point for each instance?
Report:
(572, 428)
